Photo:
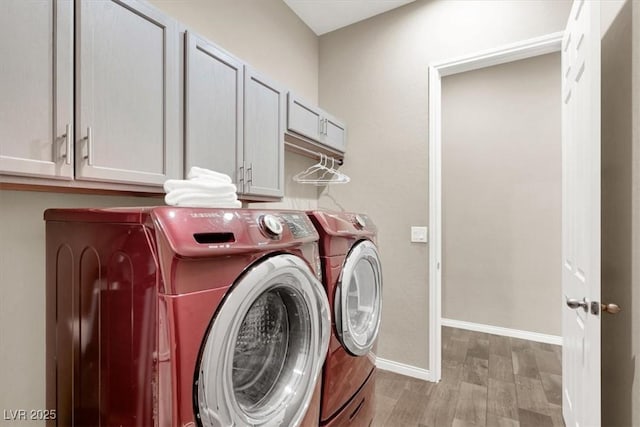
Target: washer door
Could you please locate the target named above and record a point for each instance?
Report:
(358, 299)
(265, 348)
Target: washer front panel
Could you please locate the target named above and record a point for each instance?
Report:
(265, 348)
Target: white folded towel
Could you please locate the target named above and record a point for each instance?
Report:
(203, 188)
(177, 197)
(196, 172)
(208, 204)
(198, 185)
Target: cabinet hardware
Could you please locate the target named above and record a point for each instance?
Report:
(67, 142)
(89, 139)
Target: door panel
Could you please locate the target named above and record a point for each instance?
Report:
(263, 136)
(36, 83)
(581, 214)
(335, 134)
(214, 98)
(303, 119)
(127, 90)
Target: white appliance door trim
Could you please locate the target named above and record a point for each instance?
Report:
(234, 382)
(358, 299)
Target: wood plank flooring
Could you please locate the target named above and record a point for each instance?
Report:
(487, 380)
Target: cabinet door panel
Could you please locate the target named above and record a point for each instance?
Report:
(303, 119)
(127, 93)
(263, 136)
(214, 98)
(36, 44)
(335, 134)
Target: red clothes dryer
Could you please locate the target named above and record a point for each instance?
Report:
(183, 317)
(352, 277)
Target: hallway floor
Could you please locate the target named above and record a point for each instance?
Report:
(487, 380)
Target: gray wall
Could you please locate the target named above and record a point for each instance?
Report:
(621, 213)
(501, 195)
(373, 75)
(265, 33)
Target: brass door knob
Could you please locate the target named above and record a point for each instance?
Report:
(610, 308)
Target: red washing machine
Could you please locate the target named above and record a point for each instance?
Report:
(352, 277)
(184, 317)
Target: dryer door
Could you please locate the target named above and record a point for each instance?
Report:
(358, 299)
(265, 348)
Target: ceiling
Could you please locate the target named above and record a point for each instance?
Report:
(324, 16)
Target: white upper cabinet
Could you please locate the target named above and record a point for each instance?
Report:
(263, 146)
(304, 119)
(313, 123)
(92, 93)
(335, 133)
(213, 108)
(126, 93)
(36, 87)
(233, 120)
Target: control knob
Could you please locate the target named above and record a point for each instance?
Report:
(271, 225)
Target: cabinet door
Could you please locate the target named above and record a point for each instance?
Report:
(213, 108)
(335, 134)
(303, 119)
(36, 83)
(263, 136)
(127, 93)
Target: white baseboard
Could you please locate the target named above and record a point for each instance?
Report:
(498, 330)
(403, 369)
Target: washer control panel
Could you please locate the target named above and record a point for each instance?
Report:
(195, 232)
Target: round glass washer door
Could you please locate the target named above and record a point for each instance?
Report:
(265, 348)
(358, 299)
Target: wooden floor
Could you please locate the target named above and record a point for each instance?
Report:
(487, 380)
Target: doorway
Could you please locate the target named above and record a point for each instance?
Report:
(508, 54)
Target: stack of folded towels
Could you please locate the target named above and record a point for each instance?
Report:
(204, 188)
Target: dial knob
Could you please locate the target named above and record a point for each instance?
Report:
(359, 221)
(271, 225)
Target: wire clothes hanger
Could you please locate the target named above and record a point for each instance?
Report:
(329, 175)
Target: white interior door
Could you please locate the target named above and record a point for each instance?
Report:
(581, 215)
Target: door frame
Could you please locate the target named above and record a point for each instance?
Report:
(512, 52)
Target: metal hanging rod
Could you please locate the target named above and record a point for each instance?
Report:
(310, 153)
